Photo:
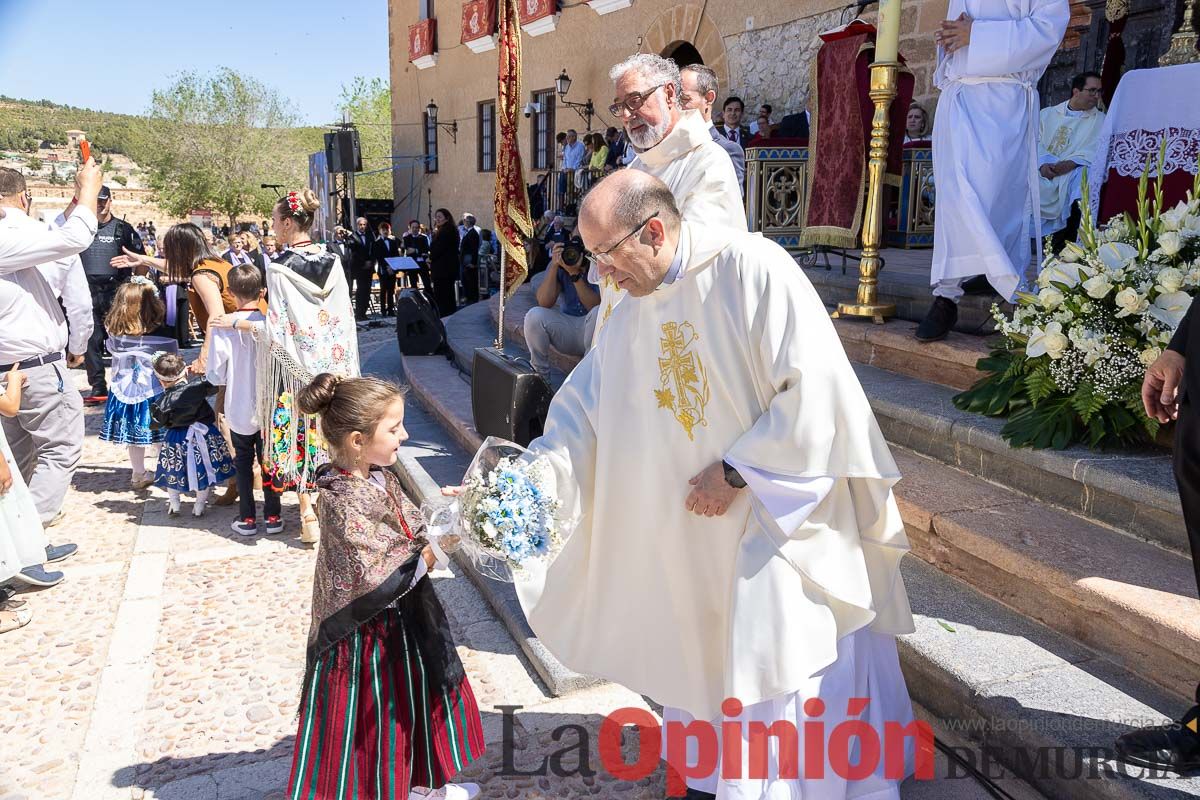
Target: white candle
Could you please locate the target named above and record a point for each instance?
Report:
(887, 42)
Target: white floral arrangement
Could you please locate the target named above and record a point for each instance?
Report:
(1076, 351)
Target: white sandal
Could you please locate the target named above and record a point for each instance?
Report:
(310, 530)
(13, 618)
(451, 791)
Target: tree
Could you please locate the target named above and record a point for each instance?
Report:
(211, 140)
(55, 178)
(33, 163)
(369, 103)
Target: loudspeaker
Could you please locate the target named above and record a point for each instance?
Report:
(419, 330)
(342, 152)
(508, 397)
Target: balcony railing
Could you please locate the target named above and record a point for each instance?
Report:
(777, 183)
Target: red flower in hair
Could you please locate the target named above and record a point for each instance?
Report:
(293, 201)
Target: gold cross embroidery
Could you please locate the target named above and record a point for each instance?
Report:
(683, 380)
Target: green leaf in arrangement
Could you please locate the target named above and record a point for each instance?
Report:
(947, 626)
(1085, 401)
(1040, 383)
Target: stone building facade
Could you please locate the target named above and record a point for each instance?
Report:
(441, 51)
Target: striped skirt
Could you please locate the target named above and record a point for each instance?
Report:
(371, 726)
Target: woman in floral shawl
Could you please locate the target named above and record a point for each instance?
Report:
(310, 329)
(386, 712)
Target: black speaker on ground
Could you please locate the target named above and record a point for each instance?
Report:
(508, 397)
(419, 330)
(342, 152)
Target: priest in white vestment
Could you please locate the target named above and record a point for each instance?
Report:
(1067, 137)
(673, 145)
(991, 54)
(721, 369)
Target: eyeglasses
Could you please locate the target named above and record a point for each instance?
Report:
(1095, 90)
(634, 101)
(605, 257)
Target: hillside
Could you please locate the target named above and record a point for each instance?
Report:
(25, 124)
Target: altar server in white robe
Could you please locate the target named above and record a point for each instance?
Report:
(673, 145)
(985, 157)
(1067, 137)
(721, 369)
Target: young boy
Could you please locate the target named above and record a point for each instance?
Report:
(232, 363)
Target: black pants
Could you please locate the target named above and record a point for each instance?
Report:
(362, 290)
(1068, 234)
(1187, 477)
(103, 291)
(245, 450)
(470, 281)
(387, 292)
(443, 292)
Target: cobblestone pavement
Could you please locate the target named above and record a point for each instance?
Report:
(167, 665)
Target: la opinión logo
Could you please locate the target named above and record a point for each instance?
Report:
(853, 749)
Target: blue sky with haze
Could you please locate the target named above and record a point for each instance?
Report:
(110, 56)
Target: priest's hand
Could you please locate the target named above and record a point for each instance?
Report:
(955, 34)
(1160, 389)
(711, 495)
(1047, 172)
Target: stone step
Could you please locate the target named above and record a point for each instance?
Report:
(909, 292)
(1016, 688)
(1132, 600)
(1132, 491)
(910, 388)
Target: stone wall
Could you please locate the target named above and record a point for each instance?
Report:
(774, 65)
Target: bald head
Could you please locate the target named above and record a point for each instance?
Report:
(624, 199)
(630, 222)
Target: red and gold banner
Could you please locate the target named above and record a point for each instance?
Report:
(533, 10)
(513, 225)
(478, 20)
(422, 39)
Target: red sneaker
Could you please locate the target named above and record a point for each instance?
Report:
(96, 399)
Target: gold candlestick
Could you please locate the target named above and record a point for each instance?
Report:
(883, 91)
(1183, 42)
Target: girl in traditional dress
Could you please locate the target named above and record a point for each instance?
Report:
(136, 311)
(386, 711)
(194, 456)
(309, 329)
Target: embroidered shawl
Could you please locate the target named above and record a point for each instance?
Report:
(371, 542)
(310, 329)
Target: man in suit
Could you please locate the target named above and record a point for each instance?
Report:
(360, 247)
(468, 259)
(732, 127)
(386, 246)
(1171, 383)
(700, 92)
(416, 247)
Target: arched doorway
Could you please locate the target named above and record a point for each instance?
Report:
(683, 54)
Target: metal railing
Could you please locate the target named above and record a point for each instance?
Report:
(777, 185)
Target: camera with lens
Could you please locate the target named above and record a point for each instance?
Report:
(572, 252)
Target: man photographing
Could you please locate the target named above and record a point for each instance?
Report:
(569, 327)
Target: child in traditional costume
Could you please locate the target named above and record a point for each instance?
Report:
(387, 712)
(194, 456)
(136, 311)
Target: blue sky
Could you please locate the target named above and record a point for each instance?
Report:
(110, 56)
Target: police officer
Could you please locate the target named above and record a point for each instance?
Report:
(112, 234)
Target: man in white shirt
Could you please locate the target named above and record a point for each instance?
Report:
(1067, 137)
(572, 160)
(46, 436)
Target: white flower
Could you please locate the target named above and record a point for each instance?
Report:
(1170, 279)
(1169, 308)
(1098, 286)
(1047, 341)
(1086, 307)
(1193, 277)
(1172, 220)
(1064, 315)
(1116, 255)
(1130, 302)
(1050, 298)
(1190, 229)
(1072, 253)
(1149, 355)
(1170, 243)
(1058, 272)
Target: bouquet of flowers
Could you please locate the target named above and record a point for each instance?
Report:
(1076, 351)
(508, 516)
